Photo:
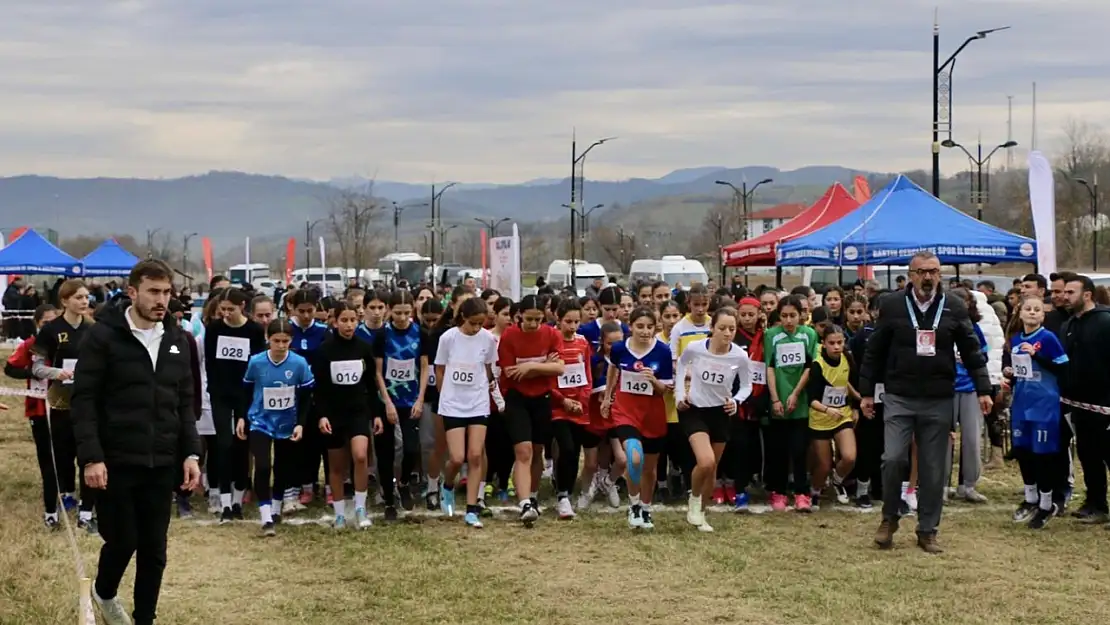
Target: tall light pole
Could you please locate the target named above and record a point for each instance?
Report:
(491, 224)
(150, 241)
(575, 158)
(185, 252)
(1093, 190)
(979, 197)
(435, 224)
(585, 218)
(942, 82)
(621, 236)
(308, 227)
(743, 195)
(397, 210)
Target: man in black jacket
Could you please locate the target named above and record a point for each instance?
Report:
(134, 423)
(912, 353)
(1084, 390)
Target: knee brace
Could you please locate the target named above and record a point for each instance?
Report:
(634, 451)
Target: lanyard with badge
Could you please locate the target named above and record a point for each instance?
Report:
(926, 339)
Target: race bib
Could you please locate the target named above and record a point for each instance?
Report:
(69, 364)
(790, 354)
(462, 374)
(714, 373)
(636, 383)
(926, 343)
(279, 397)
(431, 377)
(1023, 366)
(835, 397)
(346, 372)
(38, 386)
(880, 392)
(574, 376)
(759, 372)
(233, 348)
(400, 370)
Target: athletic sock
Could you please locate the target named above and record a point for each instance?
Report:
(340, 507)
(1031, 493)
(275, 506)
(265, 513)
(51, 516)
(84, 515)
(225, 500)
(481, 489)
(863, 488)
(905, 489)
(1046, 501)
(360, 500)
(237, 496)
(633, 500)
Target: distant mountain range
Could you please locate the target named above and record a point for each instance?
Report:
(228, 206)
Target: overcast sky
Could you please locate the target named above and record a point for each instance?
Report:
(490, 90)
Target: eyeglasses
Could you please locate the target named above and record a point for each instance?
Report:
(925, 273)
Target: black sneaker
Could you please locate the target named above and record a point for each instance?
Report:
(268, 529)
(431, 500)
(904, 508)
(645, 519)
(536, 505)
(528, 514)
(90, 526)
(277, 519)
(390, 513)
(237, 512)
(406, 497)
(1041, 518)
(51, 523)
(184, 508)
(483, 509)
(863, 502)
(226, 516)
(1090, 516)
(1025, 512)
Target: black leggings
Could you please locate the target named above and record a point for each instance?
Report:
(499, 453)
(65, 456)
(786, 441)
(1042, 470)
(869, 451)
(678, 453)
(385, 450)
(743, 456)
(569, 437)
(40, 432)
(312, 452)
(211, 466)
(283, 466)
(232, 455)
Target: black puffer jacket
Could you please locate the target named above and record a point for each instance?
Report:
(891, 353)
(125, 411)
(1086, 339)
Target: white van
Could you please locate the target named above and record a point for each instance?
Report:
(333, 281)
(670, 269)
(558, 274)
(819, 278)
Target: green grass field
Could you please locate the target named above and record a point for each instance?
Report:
(768, 568)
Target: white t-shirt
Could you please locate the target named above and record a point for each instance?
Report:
(712, 375)
(464, 358)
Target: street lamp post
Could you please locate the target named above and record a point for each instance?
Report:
(1092, 188)
(185, 252)
(150, 242)
(979, 197)
(491, 224)
(743, 194)
(621, 236)
(436, 224)
(397, 210)
(575, 158)
(308, 227)
(943, 72)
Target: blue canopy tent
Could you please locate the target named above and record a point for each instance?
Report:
(110, 259)
(32, 254)
(900, 221)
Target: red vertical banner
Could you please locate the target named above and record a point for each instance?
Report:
(290, 259)
(206, 245)
(485, 260)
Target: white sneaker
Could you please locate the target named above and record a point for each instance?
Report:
(973, 496)
(634, 520)
(705, 527)
(613, 492)
(587, 497)
(694, 515)
(363, 519)
(290, 506)
(564, 509)
(111, 610)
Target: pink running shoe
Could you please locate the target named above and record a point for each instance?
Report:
(802, 503)
(330, 499)
(306, 497)
(778, 502)
(730, 493)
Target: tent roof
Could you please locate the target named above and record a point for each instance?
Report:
(900, 221)
(110, 259)
(760, 251)
(32, 254)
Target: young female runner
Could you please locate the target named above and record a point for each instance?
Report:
(590, 309)
(570, 401)
(593, 480)
(528, 357)
(280, 383)
(1036, 358)
(704, 411)
(463, 362)
(345, 383)
(229, 343)
(56, 350)
(855, 315)
(788, 349)
(308, 335)
(627, 305)
(640, 372)
(434, 466)
(402, 378)
(832, 416)
(683, 463)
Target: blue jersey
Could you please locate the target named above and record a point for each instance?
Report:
(367, 334)
(964, 383)
(1035, 411)
(592, 332)
(307, 340)
(400, 353)
(273, 408)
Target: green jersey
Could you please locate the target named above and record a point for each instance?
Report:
(790, 354)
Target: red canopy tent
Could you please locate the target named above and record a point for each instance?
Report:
(760, 251)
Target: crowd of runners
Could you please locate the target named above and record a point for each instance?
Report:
(639, 395)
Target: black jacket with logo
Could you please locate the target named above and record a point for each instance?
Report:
(127, 412)
(891, 354)
(1086, 339)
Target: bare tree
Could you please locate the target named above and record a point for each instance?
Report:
(351, 220)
